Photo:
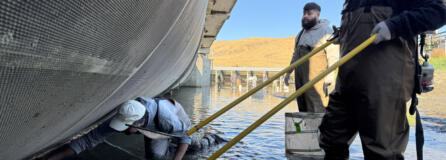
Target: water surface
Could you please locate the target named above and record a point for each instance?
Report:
(266, 142)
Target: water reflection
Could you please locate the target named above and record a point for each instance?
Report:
(196, 102)
(266, 142)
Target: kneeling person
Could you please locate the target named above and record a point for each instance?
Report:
(158, 114)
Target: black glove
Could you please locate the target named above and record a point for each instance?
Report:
(287, 78)
(326, 85)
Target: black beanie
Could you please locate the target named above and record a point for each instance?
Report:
(311, 6)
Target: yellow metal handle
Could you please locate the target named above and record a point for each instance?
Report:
(257, 88)
(296, 94)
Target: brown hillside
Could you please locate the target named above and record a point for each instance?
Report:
(253, 52)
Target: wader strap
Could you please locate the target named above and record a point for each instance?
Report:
(295, 46)
(301, 46)
(305, 47)
(352, 5)
(419, 135)
(298, 37)
(156, 118)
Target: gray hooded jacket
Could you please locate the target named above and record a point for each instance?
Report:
(315, 37)
(312, 36)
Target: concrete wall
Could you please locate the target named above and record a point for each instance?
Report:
(201, 74)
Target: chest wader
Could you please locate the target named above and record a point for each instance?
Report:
(371, 91)
(310, 101)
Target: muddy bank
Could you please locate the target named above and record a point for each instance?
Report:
(433, 104)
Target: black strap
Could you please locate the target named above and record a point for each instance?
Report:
(295, 46)
(352, 5)
(298, 37)
(298, 40)
(156, 118)
(419, 134)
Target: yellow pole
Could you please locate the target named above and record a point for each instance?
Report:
(257, 88)
(296, 94)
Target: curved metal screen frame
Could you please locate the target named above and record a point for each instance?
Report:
(65, 64)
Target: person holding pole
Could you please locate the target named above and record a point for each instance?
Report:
(373, 88)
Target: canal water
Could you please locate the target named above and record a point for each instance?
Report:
(266, 142)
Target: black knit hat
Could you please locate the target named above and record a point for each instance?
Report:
(311, 6)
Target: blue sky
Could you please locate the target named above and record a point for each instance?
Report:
(274, 18)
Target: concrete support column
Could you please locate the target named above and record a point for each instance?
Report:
(280, 83)
(233, 79)
(216, 77)
(247, 79)
(201, 74)
(265, 76)
(276, 85)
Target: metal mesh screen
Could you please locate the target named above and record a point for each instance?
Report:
(64, 64)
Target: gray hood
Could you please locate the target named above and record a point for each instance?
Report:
(322, 23)
(312, 36)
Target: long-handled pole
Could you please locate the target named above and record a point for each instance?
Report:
(296, 94)
(257, 88)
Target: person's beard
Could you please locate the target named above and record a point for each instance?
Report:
(309, 24)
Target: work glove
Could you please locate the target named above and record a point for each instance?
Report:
(383, 32)
(326, 85)
(287, 78)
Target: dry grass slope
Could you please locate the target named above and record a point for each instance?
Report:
(253, 52)
(277, 52)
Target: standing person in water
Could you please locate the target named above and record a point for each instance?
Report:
(314, 29)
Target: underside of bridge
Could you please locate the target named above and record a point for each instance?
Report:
(218, 11)
(65, 64)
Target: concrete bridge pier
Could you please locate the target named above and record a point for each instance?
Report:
(281, 82)
(251, 79)
(233, 77)
(265, 76)
(201, 73)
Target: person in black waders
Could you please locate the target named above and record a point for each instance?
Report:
(372, 88)
(313, 30)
